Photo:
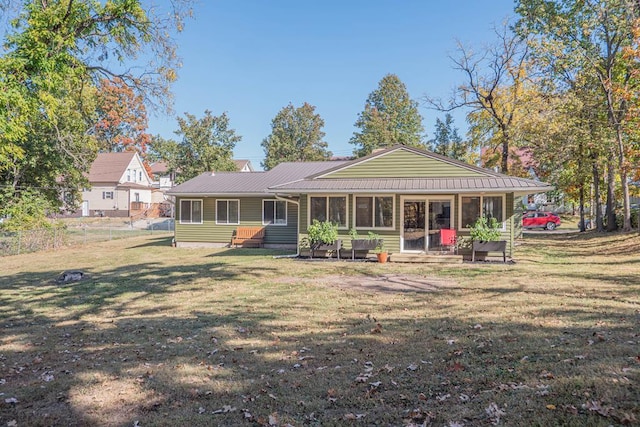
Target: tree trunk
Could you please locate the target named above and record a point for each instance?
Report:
(504, 163)
(597, 200)
(611, 197)
(582, 223)
(623, 180)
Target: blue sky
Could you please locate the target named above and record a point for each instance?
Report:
(252, 58)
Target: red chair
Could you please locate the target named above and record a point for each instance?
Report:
(449, 239)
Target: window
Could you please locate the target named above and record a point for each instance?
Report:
(374, 212)
(274, 212)
(190, 211)
(136, 197)
(128, 175)
(492, 207)
(228, 212)
(325, 208)
(140, 176)
(107, 194)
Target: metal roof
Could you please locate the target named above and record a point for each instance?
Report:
(210, 183)
(415, 185)
(307, 177)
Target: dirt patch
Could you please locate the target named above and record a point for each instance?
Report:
(388, 283)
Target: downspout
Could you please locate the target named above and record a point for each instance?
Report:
(297, 203)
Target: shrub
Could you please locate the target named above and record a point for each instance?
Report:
(485, 230)
(324, 232)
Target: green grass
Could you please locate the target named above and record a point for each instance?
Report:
(168, 336)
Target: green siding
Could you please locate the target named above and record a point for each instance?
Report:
(250, 215)
(403, 164)
(510, 220)
(391, 237)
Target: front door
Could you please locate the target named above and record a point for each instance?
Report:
(423, 220)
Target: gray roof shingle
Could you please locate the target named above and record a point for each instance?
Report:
(109, 167)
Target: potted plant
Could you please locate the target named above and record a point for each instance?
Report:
(486, 236)
(323, 236)
(381, 252)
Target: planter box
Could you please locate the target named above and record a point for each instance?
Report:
(364, 245)
(497, 246)
(323, 247)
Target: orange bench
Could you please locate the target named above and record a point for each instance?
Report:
(248, 236)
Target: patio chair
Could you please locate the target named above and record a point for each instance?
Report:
(449, 239)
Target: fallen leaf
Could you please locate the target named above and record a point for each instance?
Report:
(273, 419)
(551, 407)
(442, 397)
(546, 374)
(352, 417)
(494, 412)
(457, 366)
(596, 407)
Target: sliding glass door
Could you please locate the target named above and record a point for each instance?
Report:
(423, 220)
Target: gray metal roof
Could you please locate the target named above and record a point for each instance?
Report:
(248, 183)
(414, 185)
(306, 177)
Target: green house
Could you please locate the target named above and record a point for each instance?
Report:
(404, 194)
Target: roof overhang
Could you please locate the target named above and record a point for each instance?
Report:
(443, 191)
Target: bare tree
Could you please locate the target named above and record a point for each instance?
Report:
(494, 88)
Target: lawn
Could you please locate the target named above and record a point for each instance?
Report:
(155, 335)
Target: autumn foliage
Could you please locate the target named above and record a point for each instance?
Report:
(122, 119)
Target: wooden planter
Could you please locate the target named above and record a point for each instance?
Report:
(325, 247)
(364, 245)
(496, 246)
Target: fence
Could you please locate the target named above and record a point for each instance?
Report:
(14, 243)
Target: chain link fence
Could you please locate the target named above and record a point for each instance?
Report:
(79, 233)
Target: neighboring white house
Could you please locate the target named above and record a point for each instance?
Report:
(162, 178)
(120, 186)
(243, 165)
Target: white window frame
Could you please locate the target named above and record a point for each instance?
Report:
(286, 212)
(373, 219)
(227, 200)
(346, 214)
(201, 211)
(462, 226)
